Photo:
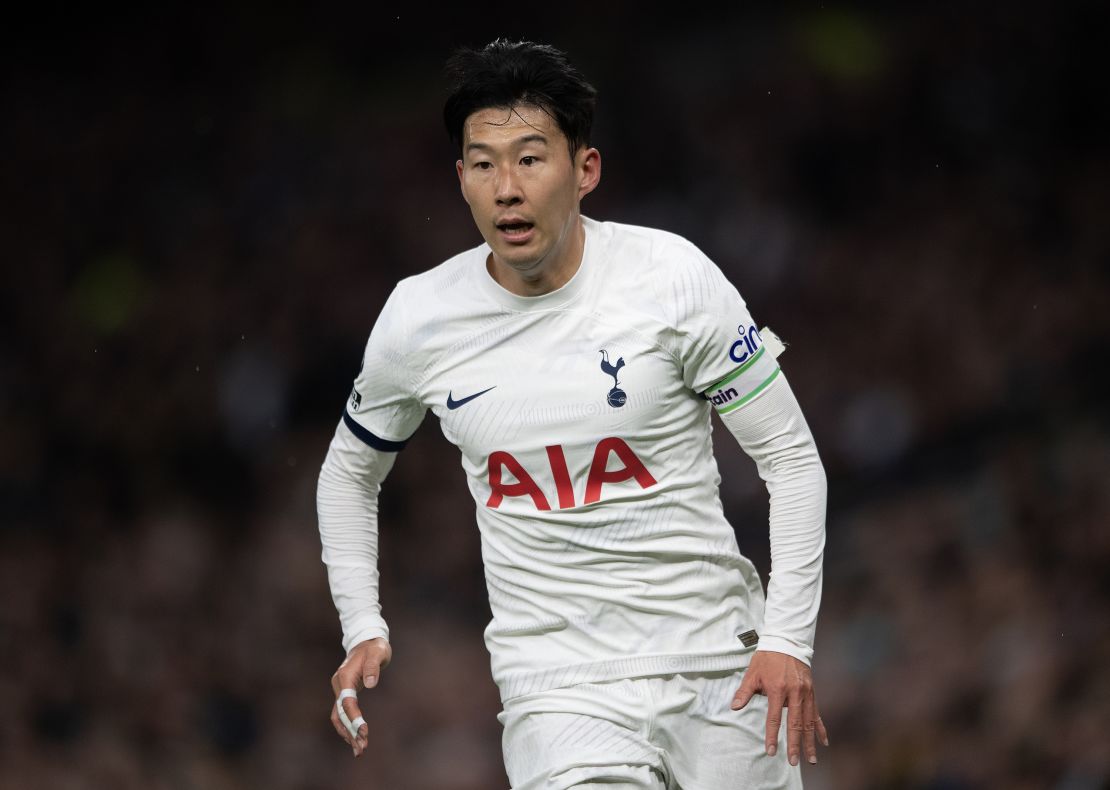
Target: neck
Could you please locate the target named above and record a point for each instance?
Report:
(548, 274)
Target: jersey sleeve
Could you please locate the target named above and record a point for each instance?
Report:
(722, 351)
(383, 409)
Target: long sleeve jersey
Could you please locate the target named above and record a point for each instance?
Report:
(583, 418)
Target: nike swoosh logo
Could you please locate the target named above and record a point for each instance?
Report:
(454, 404)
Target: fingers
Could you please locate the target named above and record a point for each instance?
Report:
(775, 702)
(349, 674)
(344, 715)
(811, 735)
(377, 658)
(754, 683)
(804, 725)
(361, 669)
(795, 724)
(801, 720)
(364, 663)
(360, 740)
(787, 683)
(803, 729)
(371, 670)
(809, 729)
(340, 728)
(744, 694)
(822, 733)
(357, 723)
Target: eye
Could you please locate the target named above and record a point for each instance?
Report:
(528, 161)
(483, 165)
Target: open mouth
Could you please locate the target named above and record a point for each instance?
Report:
(515, 230)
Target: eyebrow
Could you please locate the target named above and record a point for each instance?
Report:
(528, 138)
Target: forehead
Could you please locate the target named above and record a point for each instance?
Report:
(505, 125)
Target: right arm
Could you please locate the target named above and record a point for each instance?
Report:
(347, 508)
(383, 411)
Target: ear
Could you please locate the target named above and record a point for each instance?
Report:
(588, 167)
(462, 184)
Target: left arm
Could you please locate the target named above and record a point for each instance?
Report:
(773, 432)
(723, 356)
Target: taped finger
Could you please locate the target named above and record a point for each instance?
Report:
(343, 717)
(337, 725)
(346, 694)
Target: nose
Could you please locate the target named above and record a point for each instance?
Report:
(508, 188)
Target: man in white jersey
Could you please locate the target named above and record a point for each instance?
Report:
(575, 364)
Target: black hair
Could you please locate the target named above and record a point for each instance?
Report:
(507, 74)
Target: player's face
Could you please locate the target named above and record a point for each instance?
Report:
(523, 188)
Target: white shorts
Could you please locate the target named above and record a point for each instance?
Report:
(671, 732)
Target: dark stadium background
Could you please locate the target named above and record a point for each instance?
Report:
(204, 209)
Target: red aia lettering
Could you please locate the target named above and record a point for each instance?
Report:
(524, 483)
(599, 474)
(558, 463)
(633, 467)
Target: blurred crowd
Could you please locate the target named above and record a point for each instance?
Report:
(203, 216)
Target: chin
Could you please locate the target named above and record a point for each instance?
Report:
(520, 260)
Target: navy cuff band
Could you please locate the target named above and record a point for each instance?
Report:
(377, 442)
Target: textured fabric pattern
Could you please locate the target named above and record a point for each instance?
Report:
(587, 447)
(673, 732)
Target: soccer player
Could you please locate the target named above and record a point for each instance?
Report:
(575, 364)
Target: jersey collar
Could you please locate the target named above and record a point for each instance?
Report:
(561, 296)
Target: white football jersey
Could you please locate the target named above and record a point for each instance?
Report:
(583, 419)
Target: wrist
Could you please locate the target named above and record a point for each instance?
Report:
(778, 644)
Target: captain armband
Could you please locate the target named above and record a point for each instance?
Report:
(757, 352)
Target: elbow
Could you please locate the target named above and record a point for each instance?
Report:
(799, 459)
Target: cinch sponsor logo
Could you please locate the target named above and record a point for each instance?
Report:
(749, 341)
(501, 462)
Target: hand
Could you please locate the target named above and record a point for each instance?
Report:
(785, 681)
(359, 670)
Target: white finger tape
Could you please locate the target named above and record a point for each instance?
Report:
(343, 717)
